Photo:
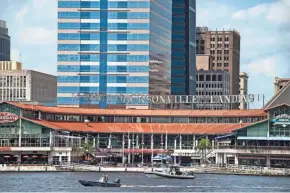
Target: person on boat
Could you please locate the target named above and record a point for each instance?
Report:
(105, 177)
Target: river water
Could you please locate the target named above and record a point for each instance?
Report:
(138, 182)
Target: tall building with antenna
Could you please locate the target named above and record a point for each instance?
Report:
(4, 42)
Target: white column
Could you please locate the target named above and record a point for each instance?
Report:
(212, 144)
(152, 148)
(98, 141)
(180, 142)
(69, 157)
(166, 141)
(20, 131)
(217, 158)
(268, 161)
(193, 142)
(39, 115)
(110, 141)
(236, 159)
(225, 159)
(175, 143)
(129, 146)
(51, 138)
(94, 142)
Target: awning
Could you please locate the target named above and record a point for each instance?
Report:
(26, 156)
(7, 156)
(35, 156)
(225, 136)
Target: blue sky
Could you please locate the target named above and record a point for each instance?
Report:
(264, 26)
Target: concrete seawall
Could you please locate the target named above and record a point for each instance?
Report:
(247, 170)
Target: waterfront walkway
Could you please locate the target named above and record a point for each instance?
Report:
(209, 169)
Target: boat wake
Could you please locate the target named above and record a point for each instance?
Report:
(222, 187)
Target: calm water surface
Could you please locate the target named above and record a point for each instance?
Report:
(137, 182)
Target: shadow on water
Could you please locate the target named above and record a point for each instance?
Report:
(138, 182)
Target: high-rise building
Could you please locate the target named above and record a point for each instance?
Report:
(224, 46)
(243, 89)
(183, 47)
(4, 42)
(26, 85)
(113, 47)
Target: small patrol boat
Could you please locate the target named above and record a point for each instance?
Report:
(173, 172)
(100, 183)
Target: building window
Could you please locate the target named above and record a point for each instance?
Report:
(212, 45)
(226, 45)
(220, 39)
(227, 39)
(219, 52)
(219, 45)
(226, 58)
(226, 64)
(219, 64)
(202, 41)
(212, 52)
(197, 41)
(226, 51)
(212, 39)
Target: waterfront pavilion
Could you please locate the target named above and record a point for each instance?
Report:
(264, 143)
(38, 134)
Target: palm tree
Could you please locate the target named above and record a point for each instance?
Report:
(202, 146)
(87, 148)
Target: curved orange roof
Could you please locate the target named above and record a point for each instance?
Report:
(129, 112)
(155, 128)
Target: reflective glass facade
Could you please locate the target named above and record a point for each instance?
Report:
(4, 42)
(113, 47)
(183, 47)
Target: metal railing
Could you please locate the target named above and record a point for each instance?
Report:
(249, 147)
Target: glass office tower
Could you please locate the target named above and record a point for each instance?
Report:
(183, 74)
(113, 47)
(4, 42)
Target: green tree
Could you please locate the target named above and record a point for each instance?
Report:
(87, 148)
(203, 145)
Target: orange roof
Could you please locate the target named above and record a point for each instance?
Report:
(130, 112)
(170, 128)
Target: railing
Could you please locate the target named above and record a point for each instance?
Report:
(253, 147)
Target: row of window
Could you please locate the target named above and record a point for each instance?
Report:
(109, 4)
(214, 85)
(129, 90)
(210, 93)
(220, 58)
(146, 119)
(108, 78)
(220, 64)
(107, 57)
(96, 47)
(96, 36)
(209, 77)
(96, 15)
(219, 46)
(89, 68)
(110, 26)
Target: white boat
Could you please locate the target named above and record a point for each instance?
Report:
(171, 172)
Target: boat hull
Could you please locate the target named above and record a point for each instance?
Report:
(100, 184)
(161, 174)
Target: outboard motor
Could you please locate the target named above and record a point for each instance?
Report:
(117, 181)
